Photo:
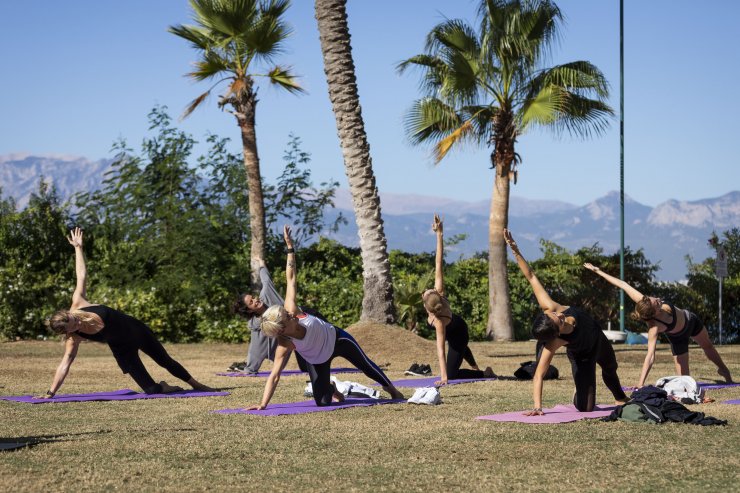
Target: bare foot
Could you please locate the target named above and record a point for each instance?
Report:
(622, 401)
(393, 391)
(168, 389)
(488, 372)
(203, 388)
(725, 373)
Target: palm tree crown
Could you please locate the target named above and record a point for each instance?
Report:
(230, 36)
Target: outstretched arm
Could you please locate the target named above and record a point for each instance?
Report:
(634, 294)
(282, 355)
(79, 297)
(650, 356)
(290, 268)
(439, 282)
(543, 298)
(70, 351)
(539, 375)
(440, 330)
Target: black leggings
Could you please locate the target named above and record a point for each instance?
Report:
(584, 374)
(347, 348)
(130, 362)
(455, 357)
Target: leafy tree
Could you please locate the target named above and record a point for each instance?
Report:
(232, 37)
(488, 87)
(377, 301)
(36, 269)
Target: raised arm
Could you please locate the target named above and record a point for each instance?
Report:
(439, 281)
(79, 297)
(70, 352)
(634, 294)
(543, 298)
(539, 375)
(290, 268)
(440, 330)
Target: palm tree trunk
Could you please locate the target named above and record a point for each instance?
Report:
(245, 115)
(377, 302)
(500, 326)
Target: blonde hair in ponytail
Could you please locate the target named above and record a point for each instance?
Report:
(273, 321)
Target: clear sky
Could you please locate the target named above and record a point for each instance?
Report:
(79, 74)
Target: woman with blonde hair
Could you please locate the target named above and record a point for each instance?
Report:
(448, 326)
(124, 334)
(677, 324)
(316, 340)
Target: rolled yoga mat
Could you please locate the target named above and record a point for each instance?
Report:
(284, 372)
(310, 407)
(557, 414)
(114, 395)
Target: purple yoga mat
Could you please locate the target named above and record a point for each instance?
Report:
(310, 407)
(113, 395)
(558, 414)
(284, 372)
(733, 401)
(429, 381)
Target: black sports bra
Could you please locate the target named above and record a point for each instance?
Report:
(668, 326)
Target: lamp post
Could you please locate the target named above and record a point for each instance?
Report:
(621, 161)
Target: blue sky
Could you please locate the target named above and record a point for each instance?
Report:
(80, 74)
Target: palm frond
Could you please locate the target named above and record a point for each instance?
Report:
(544, 108)
(209, 66)
(198, 37)
(430, 119)
(194, 104)
(460, 134)
(265, 37)
(583, 117)
(283, 78)
(580, 77)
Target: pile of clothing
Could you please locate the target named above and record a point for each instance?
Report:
(651, 405)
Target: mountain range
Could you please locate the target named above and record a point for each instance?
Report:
(667, 233)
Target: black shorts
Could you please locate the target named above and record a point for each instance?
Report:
(680, 342)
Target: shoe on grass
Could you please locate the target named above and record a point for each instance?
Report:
(414, 370)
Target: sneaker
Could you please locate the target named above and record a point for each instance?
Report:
(431, 397)
(237, 366)
(418, 394)
(308, 391)
(414, 370)
(425, 370)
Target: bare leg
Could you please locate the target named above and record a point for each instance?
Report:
(702, 339)
(199, 386)
(682, 363)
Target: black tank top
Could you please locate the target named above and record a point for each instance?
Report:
(585, 336)
(668, 327)
(456, 332)
(118, 328)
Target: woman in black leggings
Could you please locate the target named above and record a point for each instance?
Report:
(586, 344)
(316, 340)
(125, 336)
(448, 326)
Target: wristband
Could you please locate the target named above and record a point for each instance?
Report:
(291, 250)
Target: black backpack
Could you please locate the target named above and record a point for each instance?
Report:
(527, 369)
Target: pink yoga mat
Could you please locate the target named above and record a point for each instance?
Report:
(429, 381)
(113, 395)
(557, 414)
(310, 407)
(284, 372)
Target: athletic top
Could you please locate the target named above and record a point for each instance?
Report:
(317, 345)
(668, 327)
(456, 332)
(118, 329)
(585, 336)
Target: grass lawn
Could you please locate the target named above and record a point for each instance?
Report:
(177, 444)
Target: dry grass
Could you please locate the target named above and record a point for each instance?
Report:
(176, 444)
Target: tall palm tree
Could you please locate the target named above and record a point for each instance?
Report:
(231, 37)
(489, 86)
(377, 302)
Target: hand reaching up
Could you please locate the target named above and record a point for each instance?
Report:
(75, 237)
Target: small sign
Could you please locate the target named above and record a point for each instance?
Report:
(721, 264)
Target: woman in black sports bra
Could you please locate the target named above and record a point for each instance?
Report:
(125, 335)
(448, 326)
(585, 342)
(677, 324)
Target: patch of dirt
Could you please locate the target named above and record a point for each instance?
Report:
(394, 345)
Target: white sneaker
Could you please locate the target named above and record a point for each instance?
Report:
(415, 399)
(431, 397)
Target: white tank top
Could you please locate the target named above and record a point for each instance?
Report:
(317, 345)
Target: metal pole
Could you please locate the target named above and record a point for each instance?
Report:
(720, 310)
(621, 161)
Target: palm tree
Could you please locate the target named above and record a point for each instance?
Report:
(377, 301)
(232, 36)
(490, 86)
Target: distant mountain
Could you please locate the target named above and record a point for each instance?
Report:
(667, 233)
(19, 175)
